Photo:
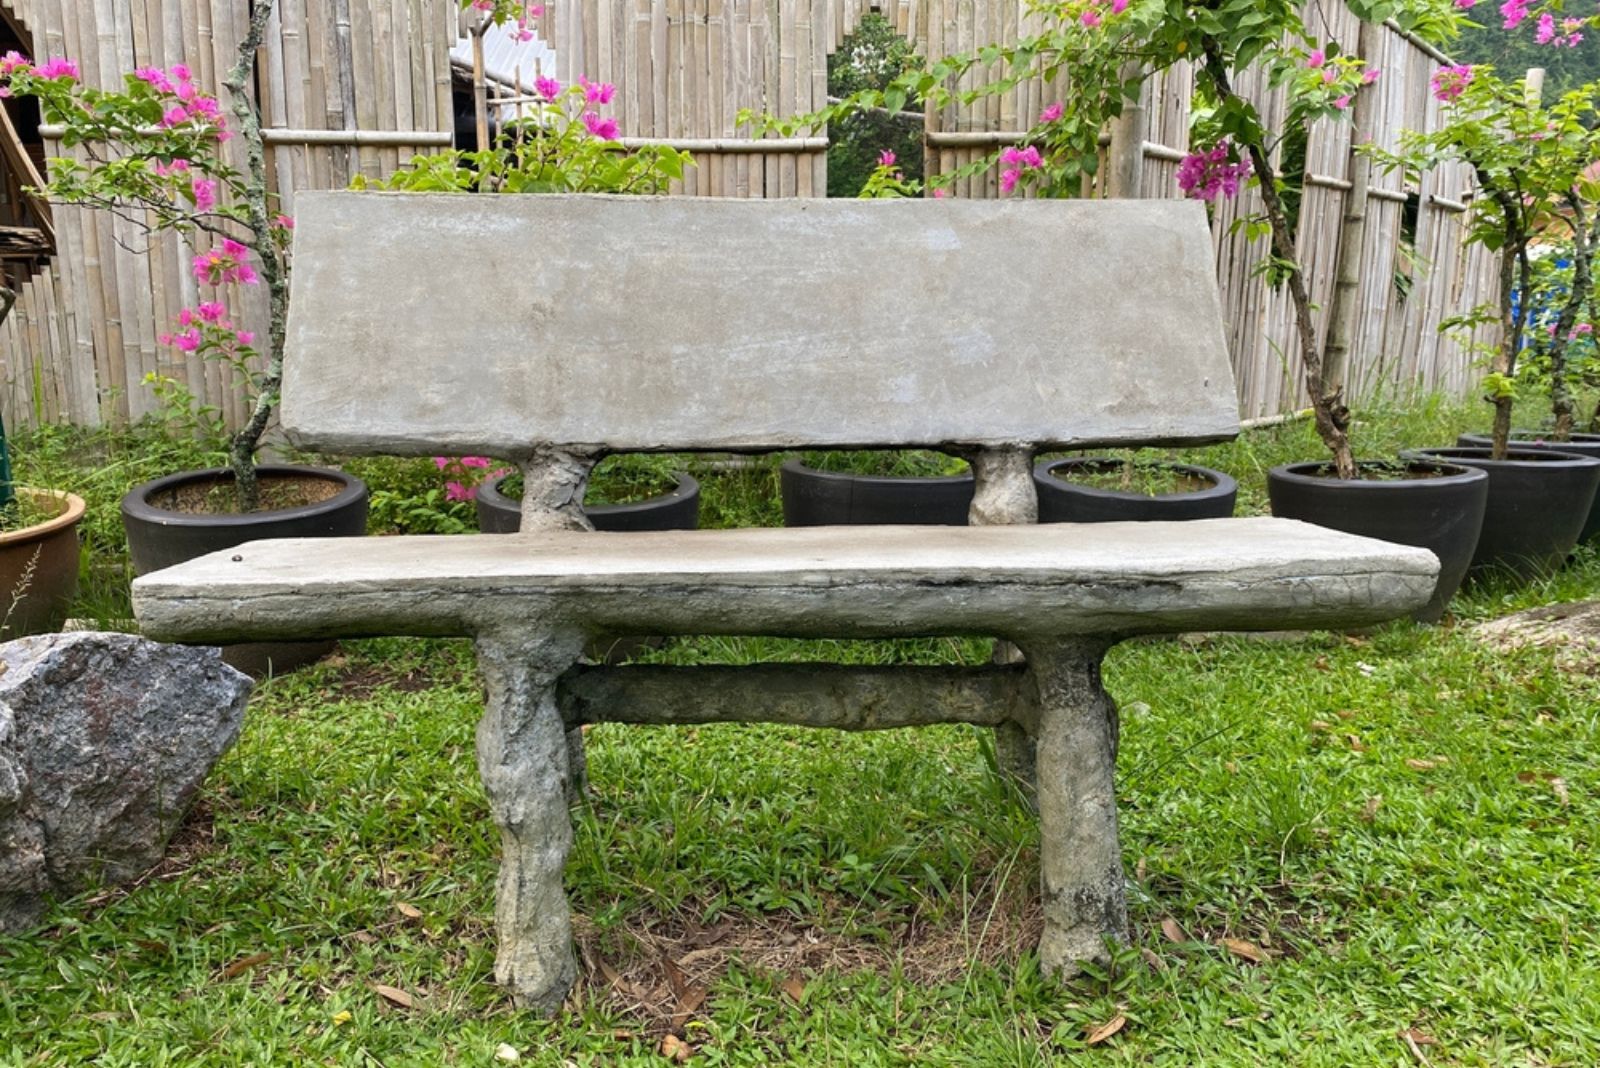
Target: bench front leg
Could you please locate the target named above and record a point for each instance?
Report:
(1080, 859)
(523, 760)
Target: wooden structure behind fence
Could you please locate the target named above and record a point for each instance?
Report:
(374, 77)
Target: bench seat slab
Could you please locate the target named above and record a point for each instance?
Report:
(1010, 582)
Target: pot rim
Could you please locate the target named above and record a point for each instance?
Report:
(800, 467)
(1222, 483)
(1522, 459)
(69, 517)
(1577, 436)
(136, 502)
(686, 486)
(1447, 474)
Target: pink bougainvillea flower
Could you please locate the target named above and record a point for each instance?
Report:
(1465, 5)
(212, 311)
(57, 68)
(283, 222)
(176, 115)
(1370, 75)
(226, 264)
(548, 88)
(605, 129)
(246, 337)
(1450, 82)
(597, 92)
(204, 191)
(940, 194)
(1209, 174)
(1051, 113)
(474, 461)
(155, 77)
(1340, 103)
(1091, 19)
(167, 170)
(1022, 157)
(455, 491)
(1009, 179)
(441, 462)
(1514, 11)
(1316, 59)
(180, 71)
(886, 159)
(14, 61)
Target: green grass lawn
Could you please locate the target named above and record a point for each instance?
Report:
(1399, 825)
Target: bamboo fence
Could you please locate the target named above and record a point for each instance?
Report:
(355, 86)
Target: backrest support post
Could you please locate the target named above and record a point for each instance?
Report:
(1004, 492)
(553, 484)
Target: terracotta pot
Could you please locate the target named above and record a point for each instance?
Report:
(39, 567)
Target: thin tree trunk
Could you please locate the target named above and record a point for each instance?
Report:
(1332, 417)
(241, 454)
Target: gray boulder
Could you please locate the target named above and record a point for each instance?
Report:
(104, 739)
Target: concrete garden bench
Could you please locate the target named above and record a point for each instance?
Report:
(553, 330)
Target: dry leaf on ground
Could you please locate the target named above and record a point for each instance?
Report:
(1173, 932)
(1369, 811)
(794, 986)
(1245, 950)
(675, 1049)
(394, 995)
(1107, 1029)
(1416, 764)
(409, 911)
(244, 964)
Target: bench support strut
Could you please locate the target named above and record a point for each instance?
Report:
(1080, 860)
(523, 759)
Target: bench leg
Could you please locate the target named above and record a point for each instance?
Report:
(1080, 859)
(1014, 755)
(523, 759)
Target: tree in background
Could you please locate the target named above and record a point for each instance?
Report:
(870, 58)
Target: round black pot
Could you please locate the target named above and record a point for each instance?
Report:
(1442, 512)
(826, 498)
(160, 537)
(1580, 445)
(1539, 500)
(1064, 501)
(677, 510)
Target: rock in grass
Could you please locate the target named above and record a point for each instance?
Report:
(104, 739)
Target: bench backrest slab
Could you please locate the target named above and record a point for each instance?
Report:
(503, 324)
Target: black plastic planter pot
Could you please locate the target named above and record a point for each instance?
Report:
(1580, 445)
(1063, 501)
(677, 510)
(1539, 500)
(161, 534)
(1436, 506)
(827, 498)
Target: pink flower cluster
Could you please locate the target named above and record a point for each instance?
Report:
(1448, 83)
(1095, 12)
(1210, 174)
(1513, 11)
(14, 62)
(525, 14)
(229, 263)
(1578, 330)
(208, 326)
(1016, 160)
(470, 472)
(183, 104)
(1566, 37)
(594, 94)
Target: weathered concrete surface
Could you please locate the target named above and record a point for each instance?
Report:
(104, 739)
(1080, 860)
(523, 761)
(1008, 581)
(656, 323)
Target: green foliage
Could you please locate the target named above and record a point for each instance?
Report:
(552, 150)
(870, 58)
